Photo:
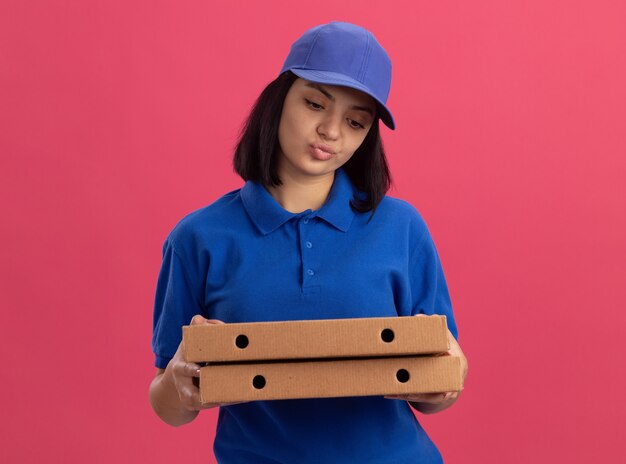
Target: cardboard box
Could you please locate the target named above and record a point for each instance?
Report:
(334, 338)
(232, 383)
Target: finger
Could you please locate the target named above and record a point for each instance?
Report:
(213, 405)
(192, 370)
(433, 398)
(198, 320)
(190, 398)
(187, 369)
(210, 405)
(414, 398)
(454, 349)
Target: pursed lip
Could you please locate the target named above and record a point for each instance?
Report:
(322, 147)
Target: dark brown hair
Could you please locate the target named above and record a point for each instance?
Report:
(255, 153)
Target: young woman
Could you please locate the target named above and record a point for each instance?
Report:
(311, 235)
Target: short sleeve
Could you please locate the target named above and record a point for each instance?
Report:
(178, 298)
(429, 289)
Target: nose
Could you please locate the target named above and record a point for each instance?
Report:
(330, 126)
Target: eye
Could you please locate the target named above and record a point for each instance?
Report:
(313, 105)
(355, 125)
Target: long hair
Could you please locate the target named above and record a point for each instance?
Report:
(256, 149)
(369, 172)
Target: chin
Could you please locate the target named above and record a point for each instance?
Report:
(316, 167)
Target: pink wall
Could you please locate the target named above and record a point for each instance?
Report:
(117, 118)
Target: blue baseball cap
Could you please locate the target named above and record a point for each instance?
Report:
(344, 54)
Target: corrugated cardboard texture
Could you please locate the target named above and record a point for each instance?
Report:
(231, 383)
(334, 338)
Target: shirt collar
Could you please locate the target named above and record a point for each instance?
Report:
(268, 215)
(337, 210)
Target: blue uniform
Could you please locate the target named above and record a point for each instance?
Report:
(246, 259)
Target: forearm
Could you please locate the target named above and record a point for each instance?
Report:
(166, 402)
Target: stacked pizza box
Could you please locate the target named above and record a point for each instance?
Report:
(322, 358)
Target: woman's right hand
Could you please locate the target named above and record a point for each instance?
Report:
(182, 374)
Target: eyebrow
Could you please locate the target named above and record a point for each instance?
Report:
(331, 98)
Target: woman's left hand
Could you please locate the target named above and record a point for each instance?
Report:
(443, 397)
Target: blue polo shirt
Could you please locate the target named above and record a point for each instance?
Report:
(246, 259)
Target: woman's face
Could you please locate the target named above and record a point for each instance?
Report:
(321, 126)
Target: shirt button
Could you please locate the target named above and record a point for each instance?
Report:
(309, 244)
(306, 220)
(310, 272)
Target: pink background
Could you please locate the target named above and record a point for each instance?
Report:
(119, 117)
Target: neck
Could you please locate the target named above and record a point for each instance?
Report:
(299, 194)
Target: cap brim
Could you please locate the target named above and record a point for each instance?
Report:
(333, 78)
